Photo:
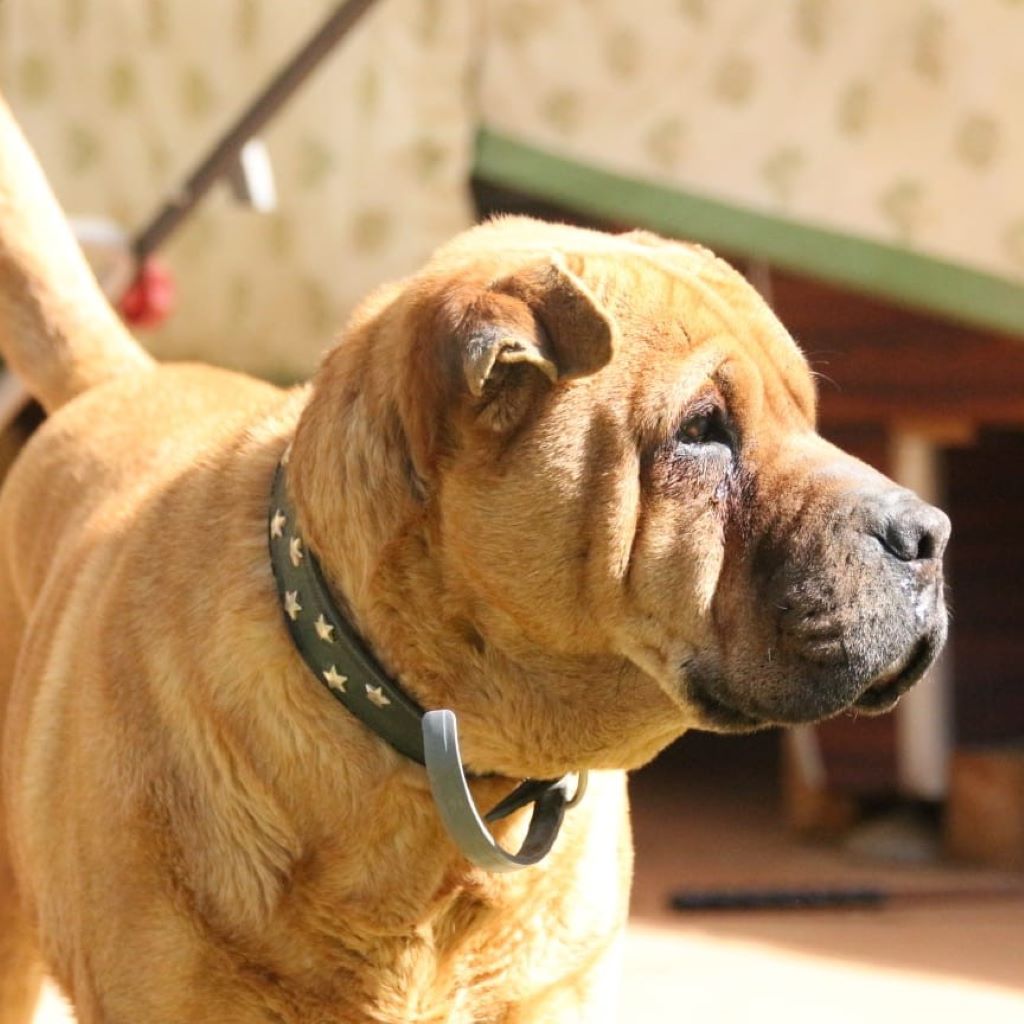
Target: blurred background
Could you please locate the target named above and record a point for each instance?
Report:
(863, 162)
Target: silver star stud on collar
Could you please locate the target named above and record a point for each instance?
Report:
(277, 524)
(324, 629)
(295, 550)
(377, 696)
(335, 680)
(291, 604)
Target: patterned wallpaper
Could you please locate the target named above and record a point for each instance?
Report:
(121, 97)
(895, 125)
(899, 123)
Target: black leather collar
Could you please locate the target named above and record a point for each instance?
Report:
(337, 656)
(329, 645)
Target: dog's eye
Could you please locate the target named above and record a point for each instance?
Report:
(696, 430)
(704, 428)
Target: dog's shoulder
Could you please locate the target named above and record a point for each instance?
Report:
(114, 446)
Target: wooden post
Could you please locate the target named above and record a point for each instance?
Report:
(924, 717)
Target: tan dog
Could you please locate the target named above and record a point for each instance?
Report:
(564, 483)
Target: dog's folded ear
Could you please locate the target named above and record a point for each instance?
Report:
(543, 316)
(496, 343)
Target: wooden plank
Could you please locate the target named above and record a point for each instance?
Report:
(880, 363)
(885, 379)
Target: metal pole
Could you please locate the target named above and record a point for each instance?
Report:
(224, 155)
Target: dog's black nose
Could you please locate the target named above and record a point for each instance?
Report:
(911, 530)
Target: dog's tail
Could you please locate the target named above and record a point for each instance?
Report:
(57, 331)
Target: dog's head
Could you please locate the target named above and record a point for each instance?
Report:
(611, 447)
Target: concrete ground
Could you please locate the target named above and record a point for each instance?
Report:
(706, 816)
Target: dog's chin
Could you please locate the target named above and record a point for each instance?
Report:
(716, 713)
(882, 694)
(722, 706)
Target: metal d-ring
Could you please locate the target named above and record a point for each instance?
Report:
(458, 810)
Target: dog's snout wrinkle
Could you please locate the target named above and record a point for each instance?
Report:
(813, 634)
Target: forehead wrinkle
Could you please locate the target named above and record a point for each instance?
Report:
(658, 411)
(633, 293)
(702, 274)
(727, 314)
(738, 399)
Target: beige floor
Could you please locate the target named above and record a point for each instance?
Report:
(706, 817)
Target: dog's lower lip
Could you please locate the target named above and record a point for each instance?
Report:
(891, 685)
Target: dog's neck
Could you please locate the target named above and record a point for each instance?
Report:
(361, 509)
(379, 561)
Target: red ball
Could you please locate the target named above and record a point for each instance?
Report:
(150, 298)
